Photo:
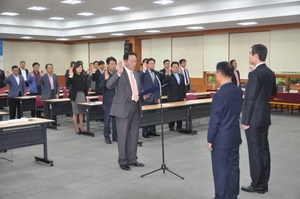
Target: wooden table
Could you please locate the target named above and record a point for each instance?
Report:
(198, 94)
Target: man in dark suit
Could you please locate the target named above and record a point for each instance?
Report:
(256, 118)
(148, 80)
(97, 76)
(16, 88)
(24, 72)
(2, 77)
(224, 135)
(127, 109)
(176, 91)
(166, 68)
(185, 72)
(236, 74)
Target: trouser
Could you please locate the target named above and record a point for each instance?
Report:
(152, 128)
(14, 104)
(107, 118)
(179, 124)
(36, 113)
(47, 110)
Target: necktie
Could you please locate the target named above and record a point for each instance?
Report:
(237, 78)
(133, 88)
(153, 77)
(186, 77)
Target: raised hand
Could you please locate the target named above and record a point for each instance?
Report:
(120, 67)
(7, 73)
(145, 66)
(71, 71)
(106, 75)
(42, 73)
(169, 72)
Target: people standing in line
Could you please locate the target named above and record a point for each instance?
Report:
(33, 78)
(256, 118)
(236, 76)
(185, 72)
(78, 81)
(24, 72)
(97, 76)
(17, 88)
(149, 80)
(176, 91)
(127, 109)
(224, 134)
(108, 95)
(166, 68)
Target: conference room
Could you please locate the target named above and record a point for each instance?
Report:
(201, 32)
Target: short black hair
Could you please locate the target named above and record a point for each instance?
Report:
(231, 61)
(48, 65)
(95, 62)
(150, 59)
(100, 62)
(14, 66)
(22, 62)
(182, 60)
(145, 60)
(35, 63)
(126, 55)
(260, 50)
(225, 68)
(166, 60)
(108, 59)
(174, 62)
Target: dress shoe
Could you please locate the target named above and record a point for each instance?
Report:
(153, 134)
(115, 139)
(108, 141)
(254, 189)
(137, 164)
(146, 135)
(171, 128)
(125, 167)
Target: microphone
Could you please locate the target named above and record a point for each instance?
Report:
(156, 72)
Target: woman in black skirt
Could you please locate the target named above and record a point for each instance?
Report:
(79, 84)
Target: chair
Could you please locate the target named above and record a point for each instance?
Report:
(100, 98)
(39, 104)
(191, 97)
(192, 91)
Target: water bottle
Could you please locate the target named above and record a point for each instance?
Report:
(284, 89)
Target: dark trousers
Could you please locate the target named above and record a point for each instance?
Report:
(14, 104)
(179, 124)
(259, 156)
(128, 132)
(226, 172)
(47, 110)
(187, 88)
(107, 118)
(36, 113)
(152, 128)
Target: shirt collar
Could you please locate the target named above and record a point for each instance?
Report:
(258, 65)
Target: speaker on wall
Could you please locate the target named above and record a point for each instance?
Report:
(127, 47)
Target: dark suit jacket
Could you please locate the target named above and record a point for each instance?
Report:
(2, 77)
(46, 87)
(175, 92)
(121, 102)
(162, 77)
(108, 94)
(74, 82)
(261, 85)
(26, 83)
(14, 88)
(224, 127)
(146, 81)
(97, 77)
(233, 79)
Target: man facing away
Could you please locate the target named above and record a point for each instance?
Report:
(224, 135)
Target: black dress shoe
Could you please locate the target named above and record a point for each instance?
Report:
(137, 164)
(146, 135)
(115, 139)
(108, 141)
(171, 129)
(153, 134)
(125, 167)
(254, 189)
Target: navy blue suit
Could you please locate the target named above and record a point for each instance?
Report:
(225, 136)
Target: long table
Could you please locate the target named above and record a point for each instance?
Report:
(288, 99)
(27, 103)
(198, 95)
(26, 133)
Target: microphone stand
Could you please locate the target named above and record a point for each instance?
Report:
(163, 165)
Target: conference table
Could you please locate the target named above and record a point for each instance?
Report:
(285, 98)
(2, 113)
(27, 103)
(21, 133)
(198, 95)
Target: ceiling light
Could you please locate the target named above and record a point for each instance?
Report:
(247, 23)
(117, 34)
(72, 1)
(163, 2)
(62, 39)
(195, 27)
(26, 37)
(57, 18)
(121, 8)
(85, 13)
(37, 8)
(88, 36)
(9, 13)
(152, 31)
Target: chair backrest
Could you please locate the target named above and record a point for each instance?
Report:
(191, 97)
(211, 95)
(243, 85)
(65, 95)
(39, 101)
(280, 87)
(192, 91)
(100, 98)
(2, 91)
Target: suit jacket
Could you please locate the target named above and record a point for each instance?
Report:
(146, 81)
(26, 70)
(166, 87)
(74, 83)
(46, 87)
(108, 94)
(14, 88)
(97, 77)
(224, 126)
(2, 77)
(261, 85)
(188, 74)
(233, 79)
(175, 92)
(121, 102)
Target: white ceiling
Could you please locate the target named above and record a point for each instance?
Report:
(144, 15)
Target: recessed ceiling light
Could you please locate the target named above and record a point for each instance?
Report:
(163, 2)
(88, 36)
(117, 34)
(72, 1)
(9, 13)
(26, 37)
(37, 8)
(85, 13)
(247, 23)
(121, 8)
(195, 27)
(62, 39)
(57, 18)
(152, 31)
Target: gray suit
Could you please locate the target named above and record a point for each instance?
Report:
(128, 114)
(187, 86)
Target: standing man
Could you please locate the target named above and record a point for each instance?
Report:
(50, 84)
(2, 77)
(16, 88)
(33, 79)
(256, 118)
(236, 76)
(166, 68)
(24, 72)
(185, 74)
(127, 108)
(97, 77)
(148, 80)
(224, 135)
(108, 96)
